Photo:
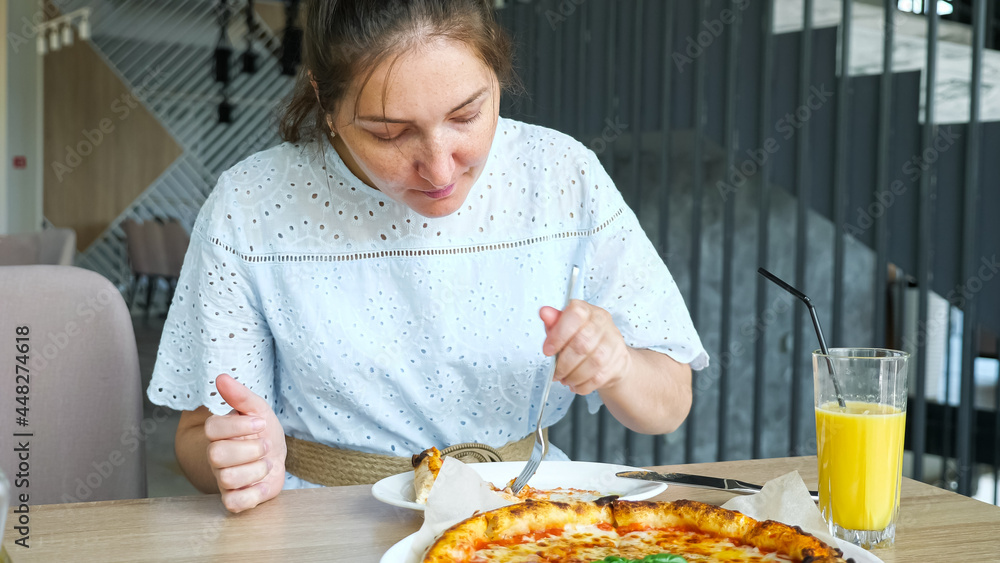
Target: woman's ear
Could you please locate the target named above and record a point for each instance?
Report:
(312, 81)
(326, 116)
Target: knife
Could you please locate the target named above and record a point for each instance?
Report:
(700, 481)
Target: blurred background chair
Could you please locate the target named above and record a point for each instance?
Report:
(137, 260)
(155, 251)
(175, 240)
(49, 246)
(80, 375)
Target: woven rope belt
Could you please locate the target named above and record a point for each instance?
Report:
(334, 467)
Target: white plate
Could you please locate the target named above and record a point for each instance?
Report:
(397, 490)
(398, 552)
(860, 555)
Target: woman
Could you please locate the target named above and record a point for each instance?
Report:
(371, 285)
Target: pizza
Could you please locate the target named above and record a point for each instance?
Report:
(427, 465)
(616, 530)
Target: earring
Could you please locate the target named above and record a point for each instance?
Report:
(329, 124)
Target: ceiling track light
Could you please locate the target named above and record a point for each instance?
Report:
(58, 32)
(222, 55)
(291, 41)
(225, 110)
(84, 28)
(249, 57)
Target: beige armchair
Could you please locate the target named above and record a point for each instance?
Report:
(72, 400)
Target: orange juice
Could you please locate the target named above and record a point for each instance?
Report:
(860, 457)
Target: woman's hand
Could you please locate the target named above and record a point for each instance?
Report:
(592, 353)
(246, 448)
(647, 391)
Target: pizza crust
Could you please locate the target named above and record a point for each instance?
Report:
(458, 543)
(533, 516)
(552, 528)
(708, 518)
(791, 539)
(426, 466)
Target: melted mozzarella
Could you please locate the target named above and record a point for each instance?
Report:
(577, 544)
(566, 495)
(693, 546)
(585, 544)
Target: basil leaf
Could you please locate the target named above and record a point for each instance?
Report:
(655, 558)
(664, 558)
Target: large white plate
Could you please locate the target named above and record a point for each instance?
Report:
(397, 490)
(398, 552)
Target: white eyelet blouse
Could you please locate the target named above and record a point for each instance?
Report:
(370, 327)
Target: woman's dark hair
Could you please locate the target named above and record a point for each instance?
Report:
(347, 40)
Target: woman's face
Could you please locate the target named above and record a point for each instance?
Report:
(429, 142)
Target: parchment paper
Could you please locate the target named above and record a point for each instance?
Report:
(457, 494)
(784, 499)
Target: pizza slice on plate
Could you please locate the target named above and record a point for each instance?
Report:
(427, 465)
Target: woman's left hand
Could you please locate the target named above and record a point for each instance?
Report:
(592, 352)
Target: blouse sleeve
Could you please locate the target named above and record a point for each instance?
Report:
(625, 275)
(214, 325)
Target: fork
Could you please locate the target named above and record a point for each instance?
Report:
(541, 446)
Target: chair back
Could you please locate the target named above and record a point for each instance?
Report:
(135, 244)
(19, 249)
(176, 240)
(73, 402)
(156, 248)
(48, 246)
(57, 246)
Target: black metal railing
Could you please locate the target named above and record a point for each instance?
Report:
(733, 157)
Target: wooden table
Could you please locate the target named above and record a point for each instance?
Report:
(348, 524)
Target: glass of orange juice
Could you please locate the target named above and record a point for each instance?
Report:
(860, 445)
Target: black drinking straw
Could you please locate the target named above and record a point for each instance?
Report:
(819, 331)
